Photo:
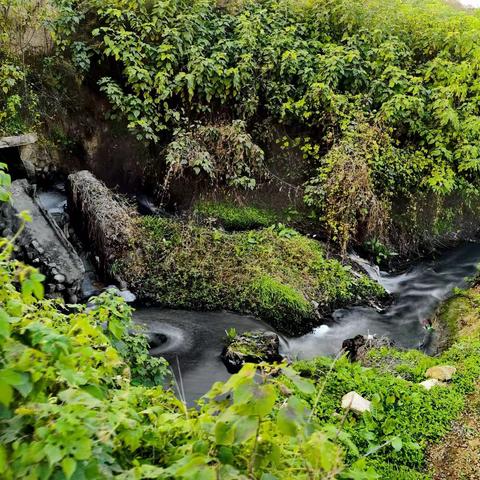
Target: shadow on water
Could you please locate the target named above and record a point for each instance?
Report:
(193, 340)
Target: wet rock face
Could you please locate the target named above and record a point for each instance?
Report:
(357, 347)
(42, 243)
(251, 347)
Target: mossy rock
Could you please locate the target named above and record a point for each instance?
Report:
(251, 347)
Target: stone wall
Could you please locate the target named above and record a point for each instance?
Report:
(42, 243)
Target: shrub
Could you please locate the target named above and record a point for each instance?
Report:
(224, 154)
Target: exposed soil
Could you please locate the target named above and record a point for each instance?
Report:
(457, 457)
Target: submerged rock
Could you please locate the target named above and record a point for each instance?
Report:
(251, 347)
(357, 347)
(441, 372)
(355, 402)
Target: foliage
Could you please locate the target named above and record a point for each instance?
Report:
(275, 273)
(235, 217)
(19, 22)
(381, 94)
(225, 154)
(131, 343)
(400, 407)
(343, 189)
(379, 252)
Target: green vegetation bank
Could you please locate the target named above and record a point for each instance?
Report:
(375, 101)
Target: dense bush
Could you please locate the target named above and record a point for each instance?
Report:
(275, 273)
(18, 99)
(394, 78)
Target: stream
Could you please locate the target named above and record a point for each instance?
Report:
(192, 341)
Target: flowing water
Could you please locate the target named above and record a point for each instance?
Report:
(194, 340)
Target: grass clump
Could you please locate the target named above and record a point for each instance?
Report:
(405, 418)
(235, 217)
(274, 273)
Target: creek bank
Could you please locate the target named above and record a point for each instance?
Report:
(275, 274)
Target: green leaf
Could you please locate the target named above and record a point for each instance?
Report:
(291, 417)
(6, 393)
(245, 428)
(69, 466)
(302, 384)
(94, 391)
(116, 328)
(224, 433)
(225, 455)
(4, 323)
(53, 453)
(264, 398)
(83, 449)
(25, 216)
(397, 443)
(3, 459)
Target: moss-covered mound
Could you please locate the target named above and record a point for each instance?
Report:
(458, 317)
(275, 274)
(235, 217)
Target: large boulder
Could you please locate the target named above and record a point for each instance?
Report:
(441, 372)
(356, 403)
(251, 347)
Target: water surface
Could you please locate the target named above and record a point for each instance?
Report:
(195, 339)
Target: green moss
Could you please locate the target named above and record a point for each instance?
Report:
(275, 301)
(392, 471)
(459, 317)
(276, 274)
(235, 217)
(447, 317)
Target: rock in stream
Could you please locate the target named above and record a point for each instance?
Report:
(251, 347)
